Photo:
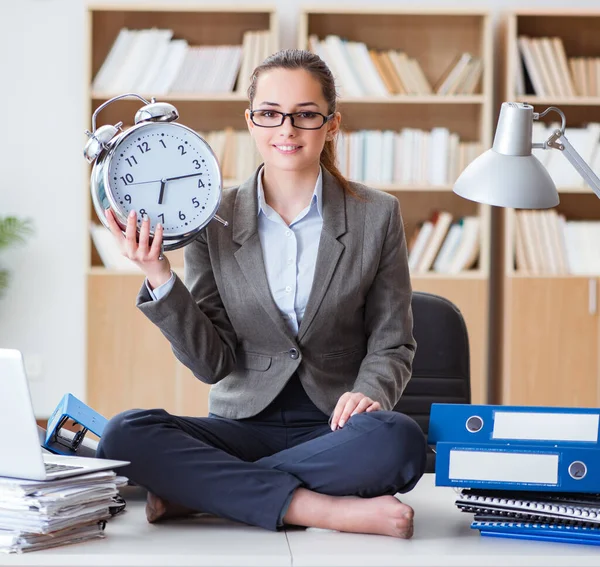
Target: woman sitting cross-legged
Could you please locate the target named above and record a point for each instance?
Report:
(299, 315)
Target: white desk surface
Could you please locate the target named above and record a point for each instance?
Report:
(442, 538)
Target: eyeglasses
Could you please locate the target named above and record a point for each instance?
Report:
(303, 120)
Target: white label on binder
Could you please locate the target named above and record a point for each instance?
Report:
(495, 466)
(546, 426)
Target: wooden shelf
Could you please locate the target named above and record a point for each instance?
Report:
(394, 187)
(181, 97)
(466, 275)
(581, 190)
(558, 101)
(415, 99)
(523, 275)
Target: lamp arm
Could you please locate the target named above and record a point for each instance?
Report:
(559, 141)
(578, 163)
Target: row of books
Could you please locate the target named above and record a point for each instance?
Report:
(152, 61)
(443, 244)
(547, 243)
(586, 75)
(410, 156)
(361, 71)
(37, 515)
(524, 472)
(585, 140)
(551, 73)
(236, 152)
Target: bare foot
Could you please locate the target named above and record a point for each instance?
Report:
(158, 509)
(383, 515)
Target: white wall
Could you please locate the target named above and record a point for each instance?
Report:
(42, 104)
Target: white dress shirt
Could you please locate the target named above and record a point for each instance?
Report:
(289, 254)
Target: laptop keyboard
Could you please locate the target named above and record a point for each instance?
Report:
(54, 467)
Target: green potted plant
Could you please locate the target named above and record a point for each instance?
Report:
(12, 231)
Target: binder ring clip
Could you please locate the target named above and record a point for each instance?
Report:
(474, 424)
(577, 470)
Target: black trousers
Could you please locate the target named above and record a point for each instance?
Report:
(248, 469)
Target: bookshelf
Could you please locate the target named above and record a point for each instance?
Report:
(434, 38)
(129, 362)
(550, 324)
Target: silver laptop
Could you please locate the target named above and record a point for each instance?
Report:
(21, 455)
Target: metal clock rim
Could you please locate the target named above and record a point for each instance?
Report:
(174, 241)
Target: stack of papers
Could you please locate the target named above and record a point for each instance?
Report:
(41, 514)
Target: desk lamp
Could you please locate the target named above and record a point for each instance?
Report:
(508, 175)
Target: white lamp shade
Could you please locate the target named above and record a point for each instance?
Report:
(515, 181)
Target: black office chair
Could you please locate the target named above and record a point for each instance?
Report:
(441, 368)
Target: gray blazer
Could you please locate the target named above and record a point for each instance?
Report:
(356, 334)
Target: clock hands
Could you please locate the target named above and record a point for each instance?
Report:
(143, 182)
(165, 179)
(163, 183)
(182, 176)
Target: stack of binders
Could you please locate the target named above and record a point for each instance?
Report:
(525, 472)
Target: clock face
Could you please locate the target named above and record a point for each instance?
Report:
(168, 172)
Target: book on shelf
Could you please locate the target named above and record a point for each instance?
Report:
(461, 76)
(362, 71)
(441, 221)
(586, 75)
(438, 244)
(236, 152)
(546, 243)
(409, 157)
(549, 71)
(153, 61)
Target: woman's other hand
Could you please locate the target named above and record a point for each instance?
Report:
(146, 256)
(349, 404)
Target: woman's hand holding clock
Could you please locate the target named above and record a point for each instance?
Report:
(147, 256)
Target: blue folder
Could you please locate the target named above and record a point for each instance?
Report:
(62, 441)
(465, 423)
(518, 467)
(542, 532)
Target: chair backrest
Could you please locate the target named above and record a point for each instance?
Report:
(441, 367)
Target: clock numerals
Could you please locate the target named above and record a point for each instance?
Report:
(184, 202)
(131, 161)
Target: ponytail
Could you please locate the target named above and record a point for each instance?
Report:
(328, 161)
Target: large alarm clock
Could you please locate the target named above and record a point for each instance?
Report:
(158, 168)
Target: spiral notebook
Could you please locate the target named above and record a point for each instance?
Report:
(549, 508)
(540, 531)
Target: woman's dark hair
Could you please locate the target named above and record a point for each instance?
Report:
(293, 59)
